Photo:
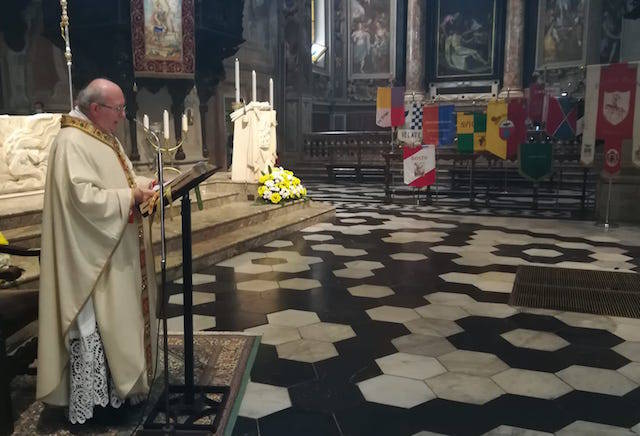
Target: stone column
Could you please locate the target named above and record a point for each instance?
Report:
(415, 60)
(513, 49)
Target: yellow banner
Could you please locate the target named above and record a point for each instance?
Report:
(3, 240)
(464, 123)
(383, 98)
(496, 114)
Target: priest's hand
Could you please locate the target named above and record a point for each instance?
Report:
(141, 195)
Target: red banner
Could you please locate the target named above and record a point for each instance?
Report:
(615, 111)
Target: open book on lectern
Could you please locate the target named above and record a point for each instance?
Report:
(180, 185)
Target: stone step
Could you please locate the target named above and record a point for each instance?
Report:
(231, 235)
(28, 236)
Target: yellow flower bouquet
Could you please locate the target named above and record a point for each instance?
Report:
(278, 185)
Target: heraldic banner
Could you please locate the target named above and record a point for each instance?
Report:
(163, 38)
(536, 160)
(419, 165)
(616, 111)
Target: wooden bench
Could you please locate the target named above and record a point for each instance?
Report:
(18, 337)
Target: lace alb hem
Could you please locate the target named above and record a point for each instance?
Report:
(90, 382)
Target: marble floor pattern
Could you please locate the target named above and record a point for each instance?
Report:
(391, 320)
(442, 202)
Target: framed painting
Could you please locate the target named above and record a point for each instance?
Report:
(371, 28)
(162, 33)
(562, 33)
(468, 39)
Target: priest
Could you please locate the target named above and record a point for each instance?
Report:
(97, 281)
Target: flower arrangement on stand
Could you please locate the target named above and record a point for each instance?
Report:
(278, 185)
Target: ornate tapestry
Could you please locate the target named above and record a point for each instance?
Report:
(162, 34)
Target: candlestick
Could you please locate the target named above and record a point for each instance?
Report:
(145, 121)
(253, 86)
(165, 124)
(271, 92)
(185, 125)
(237, 81)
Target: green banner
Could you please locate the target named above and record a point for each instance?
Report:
(536, 160)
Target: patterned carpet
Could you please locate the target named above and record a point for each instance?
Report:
(391, 321)
(220, 359)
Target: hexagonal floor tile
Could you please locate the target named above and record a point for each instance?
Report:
(410, 257)
(261, 400)
(495, 281)
(535, 340)
(198, 279)
(406, 237)
(631, 371)
(251, 268)
(275, 334)
(392, 314)
(531, 383)
(630, 350)
(464, 388)
(198, 298)
(370, 291)
(306, 350)
(327, 332)
(492, 310)
(585, 428)
(449, 299)
(318, 237)
(200, 322)
(586, 320)
(542, 252)
(257, 285)
(410, 365)
(339, 250)
(507, 430)
(353, 221)
(279, 244)
(597, 380)
(473, 363)
(241, 259)
(395, 391)
(610, 257)
(423, 345)
(300, 284)
(433, 327)
(440, 311)
(352, 273)
(293, 318)
(269, 261)
(363, 264)
(291, 267)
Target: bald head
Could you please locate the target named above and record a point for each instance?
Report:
(102, 101)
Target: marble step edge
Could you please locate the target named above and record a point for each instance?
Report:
(213, 223)
(31, 215)
(28, 235)
(210, 251)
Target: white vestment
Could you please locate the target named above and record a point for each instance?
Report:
(90, 265)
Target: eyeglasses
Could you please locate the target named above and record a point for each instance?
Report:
(117, 109)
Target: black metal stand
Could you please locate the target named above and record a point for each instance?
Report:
(192, 408)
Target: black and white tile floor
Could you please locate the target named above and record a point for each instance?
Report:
(393, 321)
(365, 194)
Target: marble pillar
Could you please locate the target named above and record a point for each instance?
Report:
(415, 60)
(513, 49)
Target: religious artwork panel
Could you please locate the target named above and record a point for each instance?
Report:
(163, 38)
(465, 38)
(562, 33)
(372, 32)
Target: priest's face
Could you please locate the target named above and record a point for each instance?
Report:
(108, 113)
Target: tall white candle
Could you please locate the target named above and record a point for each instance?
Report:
(165, 124)
(253, 86)
(271, 92)
(145, 121)
(185, 125)
(237, 81)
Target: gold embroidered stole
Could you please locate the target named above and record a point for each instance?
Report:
(110, 140)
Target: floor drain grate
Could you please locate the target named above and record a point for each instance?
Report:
(575, 290)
